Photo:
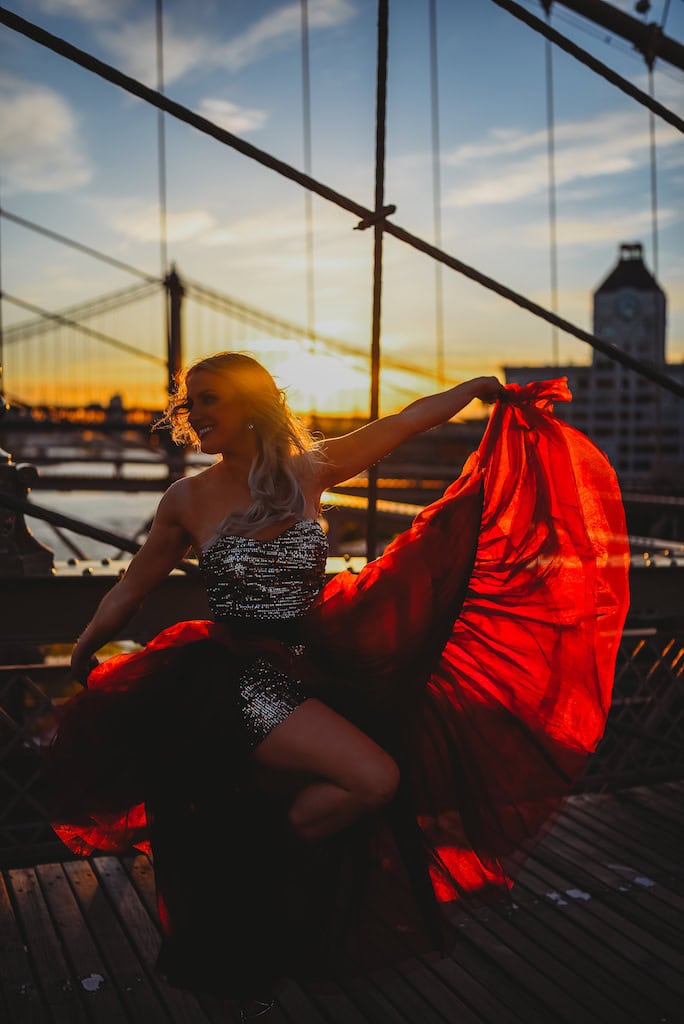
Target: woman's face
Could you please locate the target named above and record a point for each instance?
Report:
(217, 412)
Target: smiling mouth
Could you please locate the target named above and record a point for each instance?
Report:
(204, 431)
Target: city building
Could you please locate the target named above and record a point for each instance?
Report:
(638, 424)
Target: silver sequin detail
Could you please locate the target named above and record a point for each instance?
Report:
(270, 581)
(267, 697)
(265, 579)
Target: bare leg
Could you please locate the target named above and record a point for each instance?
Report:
(353, 775)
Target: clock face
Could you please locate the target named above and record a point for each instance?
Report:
(627, 306)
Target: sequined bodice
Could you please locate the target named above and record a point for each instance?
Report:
(273, 579)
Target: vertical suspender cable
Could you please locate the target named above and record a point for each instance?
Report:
(308, 196)
(654, 180)
(650, 61)
(2, 333)
(654, 244)
(4, 456)
(551, 156)
(380, 132)
(161, 160)
(436, 193)
(161, 141)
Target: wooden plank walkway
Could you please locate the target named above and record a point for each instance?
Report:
(595, 933)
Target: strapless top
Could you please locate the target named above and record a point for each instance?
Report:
(269, 580)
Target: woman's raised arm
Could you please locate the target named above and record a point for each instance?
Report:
(166, 544)
(348, 455)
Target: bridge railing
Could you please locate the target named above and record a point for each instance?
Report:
(644, 739)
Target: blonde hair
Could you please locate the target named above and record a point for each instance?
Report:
(275, 487)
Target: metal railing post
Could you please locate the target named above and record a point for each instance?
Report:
(20, 553)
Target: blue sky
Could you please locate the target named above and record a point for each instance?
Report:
(80, 157)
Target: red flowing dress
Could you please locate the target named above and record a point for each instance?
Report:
(479, 650)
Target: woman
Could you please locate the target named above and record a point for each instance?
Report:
(323, 737)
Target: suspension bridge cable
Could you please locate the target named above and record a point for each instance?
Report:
(2, 333)
(378, 235)
(591, 62)
(308, 198)
(436, 191)
(78, 246)
(89, 331)
(96, 307)
(551, 160)
(182, 113)
(654, 179)
(650, 61)
(161, 138)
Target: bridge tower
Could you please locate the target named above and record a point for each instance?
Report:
(174, 299)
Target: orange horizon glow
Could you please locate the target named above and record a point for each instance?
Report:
(314, 381)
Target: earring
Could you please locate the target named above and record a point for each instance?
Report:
(250, 426)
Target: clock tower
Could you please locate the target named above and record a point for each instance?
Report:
(629, 309)
(639, 425)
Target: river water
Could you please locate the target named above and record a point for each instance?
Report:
(122, 512)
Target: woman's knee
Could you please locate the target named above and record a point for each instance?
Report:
(379, 783)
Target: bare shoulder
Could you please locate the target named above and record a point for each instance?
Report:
(176, 500)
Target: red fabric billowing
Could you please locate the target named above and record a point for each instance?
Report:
(479, 649)
(521, 690)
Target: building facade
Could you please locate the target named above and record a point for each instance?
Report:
(638, 424)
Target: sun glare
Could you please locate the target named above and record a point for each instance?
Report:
(316, 381)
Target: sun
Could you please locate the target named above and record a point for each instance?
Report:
(315, 380)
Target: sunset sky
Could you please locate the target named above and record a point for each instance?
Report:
(79, 156)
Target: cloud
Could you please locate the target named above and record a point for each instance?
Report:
(240, 120)
(275, 227)
(39, 139)
(598, 228)
(606, 145)
(134, 44)
(140, 222)
(280, 28)
(90, 10)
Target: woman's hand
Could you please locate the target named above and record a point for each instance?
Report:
(82, 664)
(487, 389)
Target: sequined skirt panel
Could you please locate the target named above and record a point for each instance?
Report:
(266, 696)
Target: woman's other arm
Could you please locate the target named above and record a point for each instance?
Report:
(166, 544)
(348, 455)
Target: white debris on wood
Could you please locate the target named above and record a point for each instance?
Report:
(577, 894)
(92, 983)
(557, 899)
